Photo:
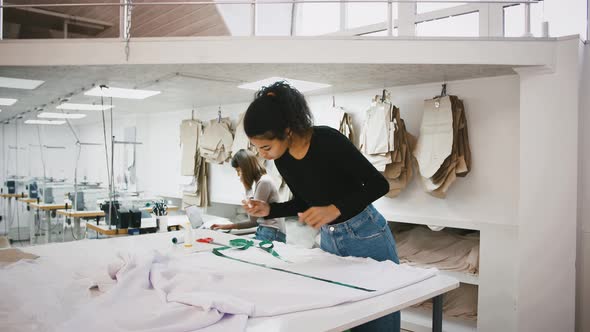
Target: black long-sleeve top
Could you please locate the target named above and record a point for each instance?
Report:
(332, 172)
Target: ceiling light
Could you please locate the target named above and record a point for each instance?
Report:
(46, 122)
(49, 115)
(7, 101)
(83, 107)
(120, 93)
(302, 86)
(19, 83)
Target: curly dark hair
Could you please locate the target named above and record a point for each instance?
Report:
(276, 108)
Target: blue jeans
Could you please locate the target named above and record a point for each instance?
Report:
(364, 235)
(264, 233)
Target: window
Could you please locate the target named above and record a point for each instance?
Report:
(514, 20)
(317, 18)
(465, 25)
(363, 14)
(273, 19)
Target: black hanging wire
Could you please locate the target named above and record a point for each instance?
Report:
(104, 130)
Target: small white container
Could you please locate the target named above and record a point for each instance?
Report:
(189, 237)
(162, 224)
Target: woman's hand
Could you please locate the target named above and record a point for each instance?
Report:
(256, 208)
(224, 226)
(318, 216)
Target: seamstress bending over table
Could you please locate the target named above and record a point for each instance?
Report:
(254, 178)
(333, 184)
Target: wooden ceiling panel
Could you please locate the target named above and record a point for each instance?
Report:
(147, 21)
(195, 28)
(162, 16)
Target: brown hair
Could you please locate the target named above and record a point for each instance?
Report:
(250, 167)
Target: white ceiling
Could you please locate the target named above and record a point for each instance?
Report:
(213, 84)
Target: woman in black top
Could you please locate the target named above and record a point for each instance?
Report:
(333, 184)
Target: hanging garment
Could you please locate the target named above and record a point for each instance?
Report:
(399, 172)
(375, 141)
(189, 139)
(199, 196)
(458, 162)
(337, 118)
(241, 140)
(436, 136)
(346, 127)
(196, 192)
(331, 117)
(216, 143)
(377, 135)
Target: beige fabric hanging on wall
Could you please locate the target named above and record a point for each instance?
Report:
(346, 127)
(399, 172)
(375, 141)
(192, 130)
(189, 139)
(433, 144)
(385, 142)
(216, 143)
(241, 140)
(337, 118)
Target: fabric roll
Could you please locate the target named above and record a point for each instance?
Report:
(444, 250)
(458, 303)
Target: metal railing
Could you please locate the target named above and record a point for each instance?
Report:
(404, 24)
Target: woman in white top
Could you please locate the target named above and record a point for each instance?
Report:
(254, 178)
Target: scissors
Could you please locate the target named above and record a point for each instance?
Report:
(209, 240)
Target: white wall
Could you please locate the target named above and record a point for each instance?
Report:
(548, 193)
(488, 194)
(58, 162)
(583, 250)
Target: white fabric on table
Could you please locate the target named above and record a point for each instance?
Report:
(185, 280)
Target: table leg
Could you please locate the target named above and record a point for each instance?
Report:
(48, 226)
(437, 313)
(77, 228)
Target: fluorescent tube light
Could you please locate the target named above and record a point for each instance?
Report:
(19, 83)
(49, 115)
(83, 107)
(7, 101)
(45, 122)
(121, 93)
(302, 86)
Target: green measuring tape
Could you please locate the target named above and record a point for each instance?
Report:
(243, 244)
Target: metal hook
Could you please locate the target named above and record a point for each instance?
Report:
(443, 92)
(333, 102)
(219, 115)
